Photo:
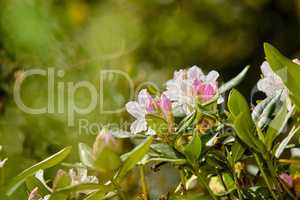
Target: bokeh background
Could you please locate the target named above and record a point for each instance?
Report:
(147, 39)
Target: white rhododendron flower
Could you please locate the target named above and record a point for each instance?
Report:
(189, 85)
(271, 83)
(138, 109)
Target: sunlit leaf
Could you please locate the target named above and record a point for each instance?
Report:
(47, 163)
(288, 71)
(133, 158)
(194, 148)
(235, 81)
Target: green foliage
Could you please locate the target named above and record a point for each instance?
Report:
(193, 149)
(132, 158)
(287, 70)
(47, 163)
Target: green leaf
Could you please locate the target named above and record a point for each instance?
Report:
(86, 155)
(243, 124)
(32, 182)
(95, 196)
(285, 142)
(104, 161)
(235, 81)
(47, 163)
(245, 131)
(85, 186)
(276, 126)
(164, 150)
(237, 103)
(193, 150)
(156, 123)
(177, 161)
(237, 151)
(133, 158)
(58, 196)
(61, 180)
(107, 160)
(288, 71)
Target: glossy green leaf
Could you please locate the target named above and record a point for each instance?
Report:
(288, 71)
(61, 180)
(193, 150)
(133, 157)
(47, 163)
(177, 161)
(237, 103)
(238, 151)
(285, 142)
(164, 150)
(245, 131)
(235, 81)
(276, 126)
(32, 182)
(107, 160)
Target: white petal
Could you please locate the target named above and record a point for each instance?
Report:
(138, 126)
(179, 75)
(135, 109)
(143, 96)
(150, 132)
(266, 69)
(212, 76)
(195, 73)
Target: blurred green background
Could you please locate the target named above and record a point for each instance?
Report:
(148, 39)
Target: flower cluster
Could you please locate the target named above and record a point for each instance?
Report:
(234, 151)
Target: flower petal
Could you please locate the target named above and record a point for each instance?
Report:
(195, 73)
(143, 96)
(138, 126)
(135, 109)
(212, 76)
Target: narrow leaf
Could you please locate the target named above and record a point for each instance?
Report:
(47, 163)
(133, 158)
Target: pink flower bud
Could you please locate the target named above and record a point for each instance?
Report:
(287, 179)
(196, 87)
(149, 104)
(205, 90)
(165, 104)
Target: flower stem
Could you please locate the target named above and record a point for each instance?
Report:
(260, 166)
(143, 182)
